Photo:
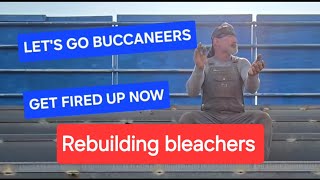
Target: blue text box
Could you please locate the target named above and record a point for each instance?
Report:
(96, 100)
(93, 42)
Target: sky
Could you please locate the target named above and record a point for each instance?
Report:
(160, 8)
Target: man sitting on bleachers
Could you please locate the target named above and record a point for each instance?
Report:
(221, 78)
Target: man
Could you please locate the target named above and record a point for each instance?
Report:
(221, 78)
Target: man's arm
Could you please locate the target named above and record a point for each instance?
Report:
(196, 79)
(195, 82)
(251, 83)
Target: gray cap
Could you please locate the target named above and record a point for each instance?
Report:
(223, 30)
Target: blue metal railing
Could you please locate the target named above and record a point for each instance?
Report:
(254, 46)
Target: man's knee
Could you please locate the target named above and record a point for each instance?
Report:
(267, 119)
(264, 118)
(187, 118)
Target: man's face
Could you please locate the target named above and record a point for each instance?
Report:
(227, 44)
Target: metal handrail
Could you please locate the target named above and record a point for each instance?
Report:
(261, 94)
(270, 70)
(87, 23)
(56, 70)
(110, 23)
(286, 23)
(186, 95)
(15, 46)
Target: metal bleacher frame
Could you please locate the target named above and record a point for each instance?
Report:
(115, 70)
(270, 169)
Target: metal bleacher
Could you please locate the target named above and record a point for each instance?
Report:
(289, 92)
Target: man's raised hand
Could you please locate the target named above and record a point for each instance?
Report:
(256, 66)
(200, 56)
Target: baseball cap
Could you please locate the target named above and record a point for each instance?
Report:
(223, 30)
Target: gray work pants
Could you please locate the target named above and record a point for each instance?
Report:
(249, 117)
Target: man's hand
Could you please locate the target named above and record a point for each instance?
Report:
(256, 66)
(200, 57)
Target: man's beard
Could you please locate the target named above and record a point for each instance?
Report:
(233, 50)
